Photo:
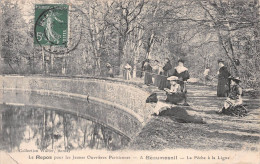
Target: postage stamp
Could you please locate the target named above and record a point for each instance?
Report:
(51, 24)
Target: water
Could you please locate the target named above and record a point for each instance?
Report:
(32, 121)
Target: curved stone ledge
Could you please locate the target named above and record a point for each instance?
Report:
(125, 97)
(111, 117)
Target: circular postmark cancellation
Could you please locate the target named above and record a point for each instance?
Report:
(52, 27)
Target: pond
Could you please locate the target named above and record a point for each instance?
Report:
(30, 120)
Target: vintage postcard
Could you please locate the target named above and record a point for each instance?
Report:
(129, 81)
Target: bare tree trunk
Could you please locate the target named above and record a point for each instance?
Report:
(43, 61)
(150, 46)
(120, 53)
(137, 51)
(52, 128)
(33, 64)
(151, 39)
(93, 30)
(135, 63)
(11, 66)
(231, 58)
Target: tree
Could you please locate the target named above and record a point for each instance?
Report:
(237, 26)
(16, 49)
(121, 16)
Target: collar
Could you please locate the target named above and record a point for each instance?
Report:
(181, 69)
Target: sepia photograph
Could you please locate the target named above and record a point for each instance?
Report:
(129, 81)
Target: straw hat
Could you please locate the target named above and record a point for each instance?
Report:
(108, 65)
(236, 79)
(220, 61)
(173, 78)
(181, 60)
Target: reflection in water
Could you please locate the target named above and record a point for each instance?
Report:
(27, 127)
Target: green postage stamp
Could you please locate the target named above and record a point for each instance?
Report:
(51, 24)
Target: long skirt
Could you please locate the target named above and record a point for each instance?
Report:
(157, 79)
(238, 110)
(223, 87)
(183, 86)
(176, 98)
(148, 78)
(110, 73)
(163, 83)
(127, 75)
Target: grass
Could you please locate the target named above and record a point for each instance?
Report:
(220, 132)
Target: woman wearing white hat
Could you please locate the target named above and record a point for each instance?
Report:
(127, 72)
(174, 94)
(233, 104)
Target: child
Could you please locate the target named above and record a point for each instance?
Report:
(233, 104)
(174, 94)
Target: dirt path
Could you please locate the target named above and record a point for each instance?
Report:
(219, 132)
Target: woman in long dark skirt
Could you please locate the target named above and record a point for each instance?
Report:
(164, 83)
(183, 75)
(148, 73)
(223, 81)
(157, 70)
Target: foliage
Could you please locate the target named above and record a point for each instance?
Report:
(130, 31)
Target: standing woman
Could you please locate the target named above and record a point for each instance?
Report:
(147, 73)
(127, 72)
(223, 81)
(156, 69)
(109, 70)
(142, 68)
(206, 75)
(163, 82)
(183, 75)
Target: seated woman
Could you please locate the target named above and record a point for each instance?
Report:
(233, 104)
(174, 94)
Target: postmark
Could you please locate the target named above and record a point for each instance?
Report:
(51, 30)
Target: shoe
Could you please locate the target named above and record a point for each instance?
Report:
(186, 104)
(220, 111)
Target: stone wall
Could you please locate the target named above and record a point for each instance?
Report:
(123, 96)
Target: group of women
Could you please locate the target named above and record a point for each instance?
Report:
(161, 71)
(173, 81)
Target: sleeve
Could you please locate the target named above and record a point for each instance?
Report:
(142, 65)
(240, 91)
(150, 68)
(186, 75)
(239, 96)
(144, 68)
(167, 67)
(174, 73)
(226, 72)
(178, 89)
